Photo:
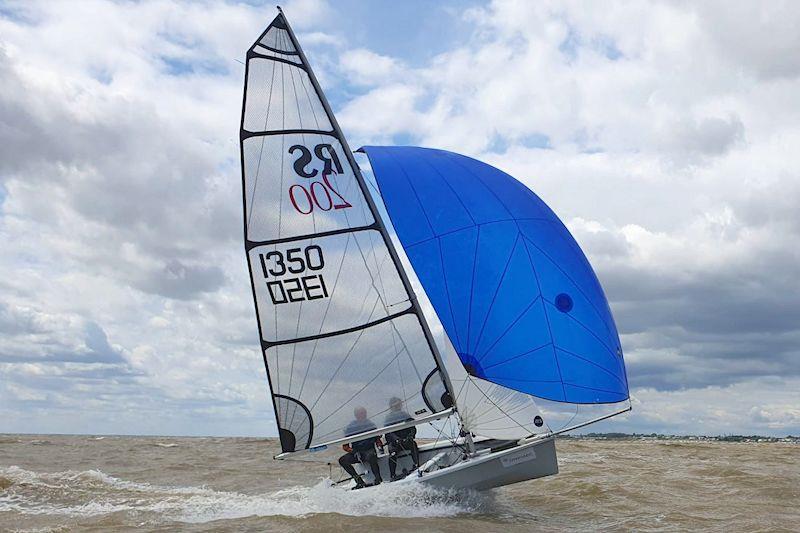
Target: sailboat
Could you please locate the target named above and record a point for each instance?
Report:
(450, 289)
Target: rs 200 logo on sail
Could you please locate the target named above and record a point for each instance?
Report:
(317, 193)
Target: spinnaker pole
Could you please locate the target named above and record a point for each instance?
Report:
(417, 310)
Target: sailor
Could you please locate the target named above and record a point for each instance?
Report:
(361, 451)
(402, 439)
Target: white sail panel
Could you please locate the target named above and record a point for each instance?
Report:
(364, 368)
(281, 97)
(278, 39)
(338, 327)
(300, 184)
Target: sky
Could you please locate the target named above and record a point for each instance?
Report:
(665, 134)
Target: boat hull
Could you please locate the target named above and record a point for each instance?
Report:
(488, 469)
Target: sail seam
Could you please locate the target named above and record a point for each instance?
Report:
(277, 51)
(496, 291)
(583, 293)
(249, 245)
(546, 317)
(246, 134)
(509, 328)
(269, 344)
(256, 55)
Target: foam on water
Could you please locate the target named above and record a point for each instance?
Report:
(93, 493)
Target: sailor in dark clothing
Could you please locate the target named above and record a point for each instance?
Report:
(402, 439)
(361, 451)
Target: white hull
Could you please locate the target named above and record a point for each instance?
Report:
(445, 466)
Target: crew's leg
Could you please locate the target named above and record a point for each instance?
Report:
(346, 462)
(414, 451)
(372, 460)
(392, 461)
(394, 448)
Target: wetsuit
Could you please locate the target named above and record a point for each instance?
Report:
(401, 440)
(363, 452)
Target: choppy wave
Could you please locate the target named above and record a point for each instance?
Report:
(32, 493)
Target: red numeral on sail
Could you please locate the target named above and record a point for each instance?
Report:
(345, 204)
(293, 198)
(320, 194)
(326, 193)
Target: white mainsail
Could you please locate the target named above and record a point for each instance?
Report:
(339, 326)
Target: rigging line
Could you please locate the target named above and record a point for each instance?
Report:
(363, 258)
(505, 332)
(399, 368)
(458, 394)
(341, 364)
(488, 406)
(310, 102)
(510, 412)
(325, 314)
(522, 426)
(526, 403)
(577, 407)
(496, 291)
(371, 277)
(379, 266)
(359, 391)
(546, 317)
(405, 347)
(261, 152)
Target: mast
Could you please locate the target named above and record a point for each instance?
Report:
(416, 309)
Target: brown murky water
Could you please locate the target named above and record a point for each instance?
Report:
(64, 483)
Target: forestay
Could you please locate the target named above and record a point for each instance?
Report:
(514, 292)
(338, 327)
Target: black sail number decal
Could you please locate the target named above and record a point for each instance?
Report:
(300, 264)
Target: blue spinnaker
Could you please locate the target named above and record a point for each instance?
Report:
(513, 290)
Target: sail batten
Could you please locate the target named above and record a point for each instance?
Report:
(340, 329)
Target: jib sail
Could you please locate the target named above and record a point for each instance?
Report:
(339, 330)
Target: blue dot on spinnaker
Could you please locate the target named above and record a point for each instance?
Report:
(564, 302)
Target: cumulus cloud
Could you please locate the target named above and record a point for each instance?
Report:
(663, 133)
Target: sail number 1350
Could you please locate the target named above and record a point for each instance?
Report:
(299, 263)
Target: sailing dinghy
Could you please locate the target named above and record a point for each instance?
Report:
(478, 311)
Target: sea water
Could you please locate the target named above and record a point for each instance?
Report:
(107, 483)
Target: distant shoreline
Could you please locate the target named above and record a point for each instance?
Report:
(696, 438)
(586, 436)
